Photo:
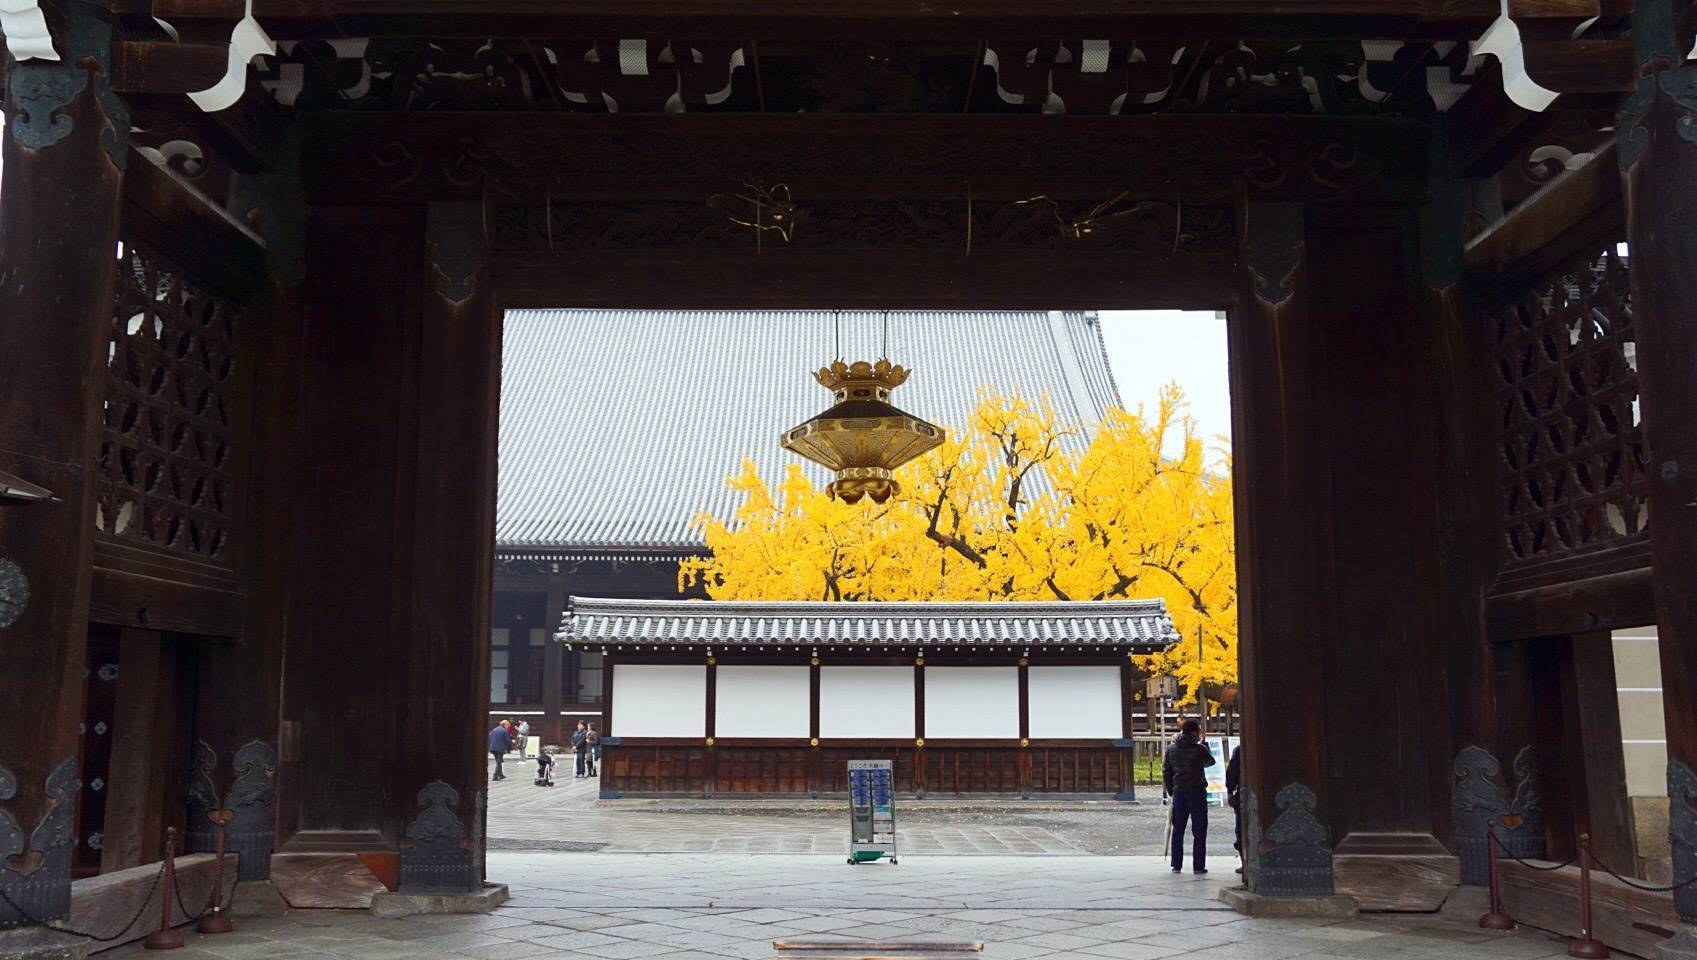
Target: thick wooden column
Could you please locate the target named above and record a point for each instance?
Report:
(1279, 589)
(63, 158)
(1658, 155)
(452, 561)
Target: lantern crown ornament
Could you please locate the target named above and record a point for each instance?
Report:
(863, 438)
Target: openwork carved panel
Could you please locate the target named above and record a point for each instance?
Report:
(164, 466)
(1571, 450)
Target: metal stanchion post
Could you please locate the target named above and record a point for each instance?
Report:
(1585, 945)
(1496, 919)
(214, 920)
(166, 938)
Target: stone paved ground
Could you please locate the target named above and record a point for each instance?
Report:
(569, 816)
(626, 907)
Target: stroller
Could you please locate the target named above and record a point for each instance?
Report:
(545, 769)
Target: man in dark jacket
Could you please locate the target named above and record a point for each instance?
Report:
(1234, 783)
(1182, 771)
(500, 743)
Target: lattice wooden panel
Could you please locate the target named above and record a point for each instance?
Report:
(1571, 451)
(165, 462)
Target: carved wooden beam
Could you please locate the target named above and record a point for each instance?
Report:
(160, 66)
(872, 19)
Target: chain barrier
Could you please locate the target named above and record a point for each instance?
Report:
(1530, 866)
(192, 917)
(1634, 884)
(1641, 885)
(78, 933)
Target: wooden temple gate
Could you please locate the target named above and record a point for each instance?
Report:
(267, 425)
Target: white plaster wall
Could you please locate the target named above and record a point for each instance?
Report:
(969, 703)
(1643, 725)
(1075, 702)
(866, 702)
(660, 700)
(760, 701)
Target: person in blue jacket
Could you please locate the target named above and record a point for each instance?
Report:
(500, 744)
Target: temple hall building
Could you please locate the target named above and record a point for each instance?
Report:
(620, 427)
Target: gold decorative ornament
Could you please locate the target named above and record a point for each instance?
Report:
(712, 661)
(919, 662)
(1025, 661)
(709, 741)
(862, 437)
(814, 742)
(919, 743)
(813, 661)
(1024, 742)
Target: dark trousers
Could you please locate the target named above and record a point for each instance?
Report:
(582, 761)
(592, 763)
(1190, 806)
(499, 756)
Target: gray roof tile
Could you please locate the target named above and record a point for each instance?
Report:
(619, 426)
(1139, 625)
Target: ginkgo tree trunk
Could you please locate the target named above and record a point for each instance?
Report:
(1016, 505)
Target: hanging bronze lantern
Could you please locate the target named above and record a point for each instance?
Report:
(862, 437)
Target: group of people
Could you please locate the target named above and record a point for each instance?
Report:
(1184, 774)
(514, 736)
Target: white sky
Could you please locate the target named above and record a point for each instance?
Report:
(1148, 348)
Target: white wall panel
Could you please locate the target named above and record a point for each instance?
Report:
(760, 701)
(865, 702)
(660, 700)
(1075, 702)
(970, 703)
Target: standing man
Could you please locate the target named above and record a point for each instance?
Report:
(500, 743)
(524, 739)
(579, 748)
(1182, 772)
(592, 742)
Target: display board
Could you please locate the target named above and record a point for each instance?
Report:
(1076, 702)
(972, 703)
(761, 701)
(660, 700)
(866, 703)
(1222, 746)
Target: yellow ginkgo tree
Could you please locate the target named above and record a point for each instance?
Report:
(1017, 505)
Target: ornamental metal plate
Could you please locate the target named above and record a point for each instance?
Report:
(14, 593)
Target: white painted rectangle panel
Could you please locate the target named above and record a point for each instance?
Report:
(660, 700)
(1075, 703)
(866, 703)
(972, 703)
(760, 701)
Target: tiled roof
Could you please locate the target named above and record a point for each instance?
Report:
(618, 427)
(1140, 625)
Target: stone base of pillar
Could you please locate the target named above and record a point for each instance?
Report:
(1683, 945)
(43, 943)
(392, 904)
(1249, 904)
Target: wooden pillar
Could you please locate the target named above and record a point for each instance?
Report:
(1610, 810)
(1279, 590)
(452, 561)
(1658, 157)
(144, 786)
(709, 723)
(63, 151)
(553, 661)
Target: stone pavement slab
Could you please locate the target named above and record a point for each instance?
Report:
(637, 907)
